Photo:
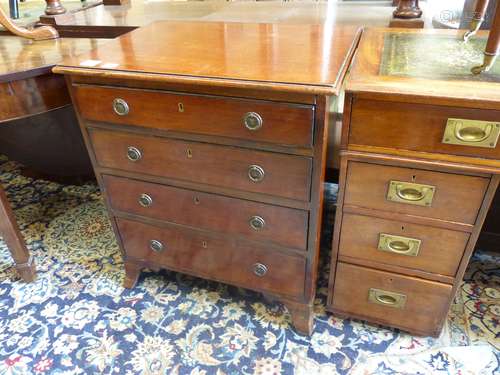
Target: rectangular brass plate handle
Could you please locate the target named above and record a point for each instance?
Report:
(399, 245)
(386, 298)
(473, 133)
(410, 193)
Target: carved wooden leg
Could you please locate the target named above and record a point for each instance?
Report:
(132, 271)
(302, 316)
(40, 33)
(12, 236)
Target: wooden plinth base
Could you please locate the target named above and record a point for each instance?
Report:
(301, 313)
(415, 23)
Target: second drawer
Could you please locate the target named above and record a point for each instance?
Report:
(262, 172)
(402, 244)
(451, 197)
(257, 221)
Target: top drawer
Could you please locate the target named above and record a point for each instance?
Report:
(253, 120)
(422, 127)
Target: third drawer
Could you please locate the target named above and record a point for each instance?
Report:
(257, 221)
(395, 243)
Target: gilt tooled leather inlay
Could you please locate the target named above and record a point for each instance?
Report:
(434, 57)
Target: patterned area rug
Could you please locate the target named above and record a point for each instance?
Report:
(77, 319)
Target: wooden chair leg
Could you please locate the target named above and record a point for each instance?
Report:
(12, 236)
(492, 50)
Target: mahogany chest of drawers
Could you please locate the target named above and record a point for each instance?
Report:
(419, 168)
(208, 141)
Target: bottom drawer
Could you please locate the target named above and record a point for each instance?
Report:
(209, 256)
(404, 302)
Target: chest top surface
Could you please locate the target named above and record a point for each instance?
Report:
(427, 63)
(309, 58)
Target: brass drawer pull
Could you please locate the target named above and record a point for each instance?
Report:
(133, 153)
(471, 133)
(120, 107)
(256, 173)
(259, 269)
(410, 193)
(145, 200)
(252, 121)
(386, 298)
(399, 245)
(257, 223)
(156, 246)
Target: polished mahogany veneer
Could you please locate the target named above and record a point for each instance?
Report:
(211, 149)
(419, 169)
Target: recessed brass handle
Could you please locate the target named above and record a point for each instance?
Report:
(145, 200)
(257, 223)
(156, 246)
(399, 244)
(133, 153)
(253, 121)
(120, 106)
(386, 298)
(410, 193)
(256, 173)
(471, 133)
(259, 269)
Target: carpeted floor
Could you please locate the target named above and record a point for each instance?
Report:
(77, 319)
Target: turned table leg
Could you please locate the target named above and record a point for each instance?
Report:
(492, 46)
(54, 7)
(407, 14)
(12, 236)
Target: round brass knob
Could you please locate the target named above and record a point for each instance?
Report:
(256, 173)
(259, 269)
(120, 107)
(156, 246)
(133, 153)
(145, 200)
(252, 121)
(257, 223)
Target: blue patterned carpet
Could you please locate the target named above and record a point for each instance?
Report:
(77, 319)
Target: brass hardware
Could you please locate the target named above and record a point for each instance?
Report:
(399, 245)
(156, 246)
(410, 193)
(385, 298)
(145, 200)
(196, 200)
(471, 133)
(204, 244)
(120, 107)
(133, 153)
(488, 62)
(189, 153)
(252, 121)
(181, 107)
(257, 223)
(259, 269)
(475, 25)
(256, 173)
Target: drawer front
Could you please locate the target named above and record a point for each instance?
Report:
(453, 198)
(253, 120)
(257, 221)
(395, 300)
(198, 253)
(402, 244)
(421, 127)
(230, 167)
